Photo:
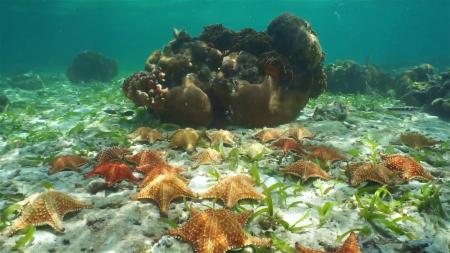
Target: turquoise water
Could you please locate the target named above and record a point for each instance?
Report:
(45, 35)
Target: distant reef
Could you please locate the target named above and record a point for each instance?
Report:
(419, 86)
(91, 66)
(224, 77)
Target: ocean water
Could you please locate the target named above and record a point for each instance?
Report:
(46, 34)
(321, 154)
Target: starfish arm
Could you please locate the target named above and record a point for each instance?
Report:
(243, 217)
(351, 245)
(164, 199)
(302, 249)
(16, 226)
(265, 242)
(51, 206)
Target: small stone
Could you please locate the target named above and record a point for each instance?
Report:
(95, 223)
(247, 250)
(113, 202)
(127, 113)
(334, 111)
(110, 111)
(96, 185)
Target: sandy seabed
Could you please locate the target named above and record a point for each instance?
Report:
(67, 119)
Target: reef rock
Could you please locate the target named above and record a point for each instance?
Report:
(440, 107)
(224, 77)
(421, 86)
(334, 111)
(91, 66)
(351, 77)
(4, 101)
(27, 81)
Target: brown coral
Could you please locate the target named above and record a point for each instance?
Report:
(223, 77)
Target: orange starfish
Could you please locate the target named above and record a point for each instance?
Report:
(67, 162)
(305, 169)
(407, 166)
(268, 134)
(47, 208)
(299, 133)
(361, 172)
(217, 231)
(113, 154)
(113, 172)
(185, 138)
(415, 140)
(147, 160)
(351, 245)
(160, 170)
(164, 189)
(231, 189)
(288, 144)
(146, 134)
(325, 154)
(208, 156)
(224, 136)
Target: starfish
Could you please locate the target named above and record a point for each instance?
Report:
(185, 138)
(325, 154)
(160, 170)
(224, 136)
(268, 134)
(216, 231)
(378, 173)
(415, 140)
(299, 133)
(253, 150)
(146, 134)
(305, 169)
(67, 162)
(407, 166)
(231, 189)
(113, 172)
(164, 189)
(208, 156)
(351, 245)
(113, 154)
(288, 144)
(147, 160)
(46, 208)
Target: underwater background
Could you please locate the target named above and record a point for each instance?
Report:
(287, 126)
(44, 35)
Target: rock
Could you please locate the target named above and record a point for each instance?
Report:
(95, 223)
(350, 77)
(27, 81)
(432, 245)
(224, 77)
(422, 73)
(334, 111)
(440, 107)
(4, 101)
(112, 201)
(170, 245)
(91, 66)
(96, 185)
(415, 98)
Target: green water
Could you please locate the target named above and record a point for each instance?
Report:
(44, 35)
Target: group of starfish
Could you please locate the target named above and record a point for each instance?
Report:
(213, 230)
